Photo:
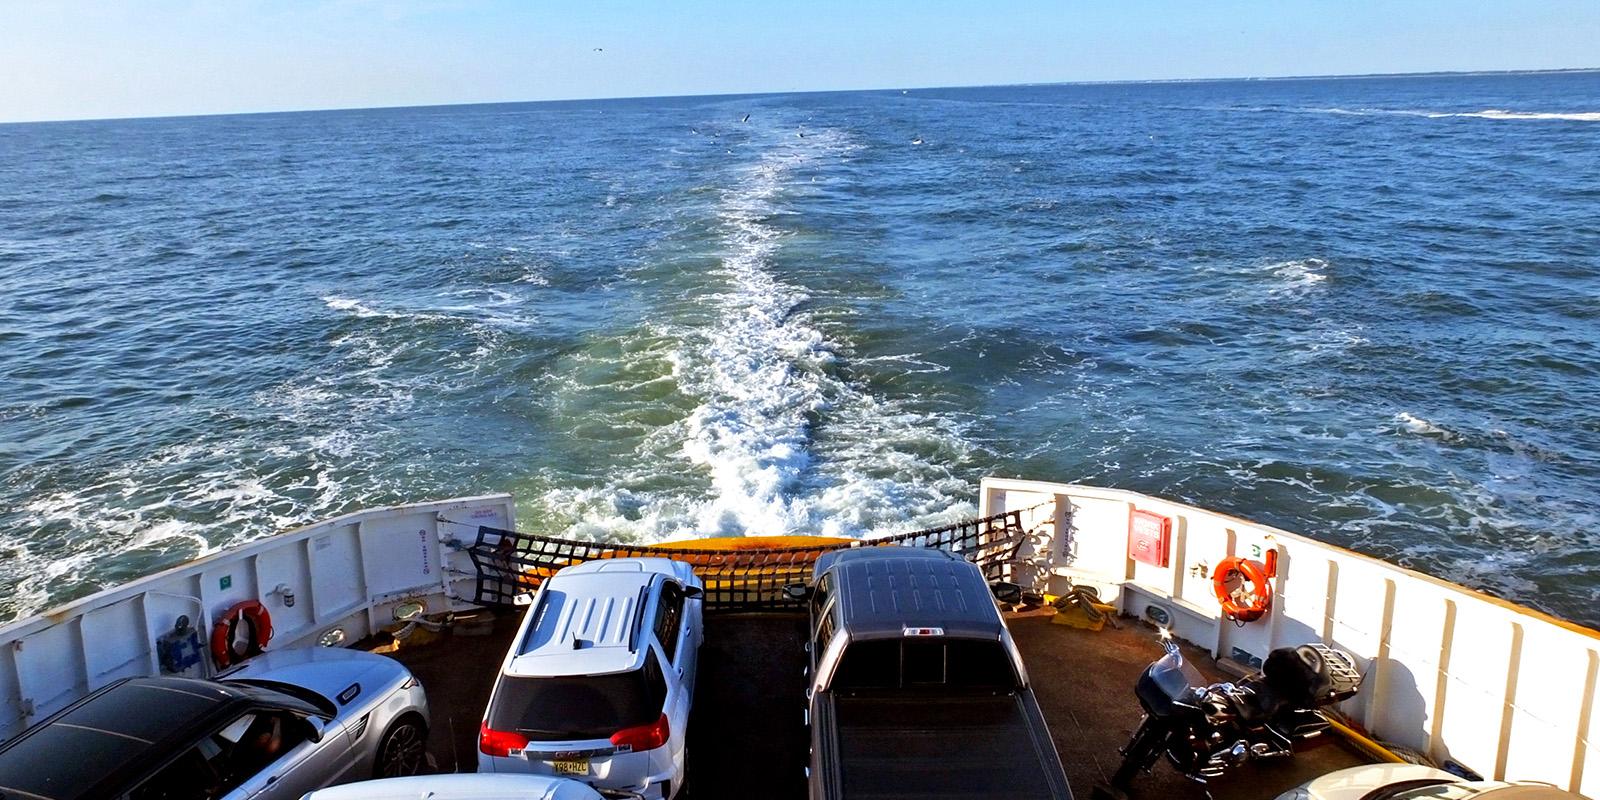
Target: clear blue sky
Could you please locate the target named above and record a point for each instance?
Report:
(65, 59)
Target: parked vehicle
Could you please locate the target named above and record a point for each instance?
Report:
(1416, 782)
(284, 723)
(916, 688)
(467, 787)
(598, 682)
(1204, 730)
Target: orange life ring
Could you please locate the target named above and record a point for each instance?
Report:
(230, 644)
(1246, 603)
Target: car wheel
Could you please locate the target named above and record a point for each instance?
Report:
(403, 751)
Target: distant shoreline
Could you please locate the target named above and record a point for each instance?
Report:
(712, 96)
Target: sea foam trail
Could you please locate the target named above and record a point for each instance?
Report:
(1495, 113)
(765, 378)
(785, 441)
(1487, 113)
(758, 373)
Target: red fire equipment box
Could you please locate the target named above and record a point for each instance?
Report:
(1149, 538)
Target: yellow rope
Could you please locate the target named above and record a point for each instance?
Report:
(1366, 744)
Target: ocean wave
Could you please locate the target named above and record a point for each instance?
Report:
(176, 504)
(1497, 113)
(1416, 424)
(534, 276)
(1487, 113)
(355, 307)
(296, 450)
(1491, 440)
(1298, 275)
(487, 312)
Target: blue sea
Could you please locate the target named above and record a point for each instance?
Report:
(1367, 310)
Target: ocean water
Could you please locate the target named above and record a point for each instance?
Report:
(1367, 310)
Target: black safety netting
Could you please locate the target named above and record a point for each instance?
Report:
(736, 577)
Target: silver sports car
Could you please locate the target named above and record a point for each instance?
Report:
(281, 725)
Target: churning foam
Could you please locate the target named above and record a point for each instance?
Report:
(1495, 113)
(493, 307)
(1416, 424)
(1298, 274)
(1487, 113)
(784, 440)
(183, 501)
(355, 307)
(758, 374)
(767, 379)
(225, 486)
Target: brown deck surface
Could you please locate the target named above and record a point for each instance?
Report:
(1084, 682)
(747, 737)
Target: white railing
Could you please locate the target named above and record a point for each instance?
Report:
(347, 572)
(1504, 690)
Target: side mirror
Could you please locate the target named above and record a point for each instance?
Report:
(1168, 644)
(1006, 592)
(524, 599)
(315, 728)
(798, 592)
(693, 593)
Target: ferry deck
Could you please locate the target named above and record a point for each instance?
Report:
(1452, 675)
(747, 737)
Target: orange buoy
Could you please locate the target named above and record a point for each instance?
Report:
(240, 633)
(1249, 601)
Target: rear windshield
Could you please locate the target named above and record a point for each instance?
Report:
(925, 662)
(581, 707)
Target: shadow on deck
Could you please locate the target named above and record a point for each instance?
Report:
(747, 737)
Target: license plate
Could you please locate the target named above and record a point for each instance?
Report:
(574, 767)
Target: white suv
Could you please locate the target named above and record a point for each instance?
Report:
(598, 682)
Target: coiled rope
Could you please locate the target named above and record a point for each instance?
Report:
(1087, 599)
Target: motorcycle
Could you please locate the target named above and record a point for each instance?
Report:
(1205, 730)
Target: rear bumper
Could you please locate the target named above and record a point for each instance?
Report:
(648, 774)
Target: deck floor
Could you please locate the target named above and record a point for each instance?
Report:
(747, 737)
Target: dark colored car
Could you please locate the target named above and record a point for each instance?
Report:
(263, 733)
(916, 689)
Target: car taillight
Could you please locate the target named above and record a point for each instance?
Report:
(499, 743)
(643, 737)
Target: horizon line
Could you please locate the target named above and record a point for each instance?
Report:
(712, 95)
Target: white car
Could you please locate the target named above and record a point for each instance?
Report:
(598, 682)
(462, 787)
(1415, 782)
